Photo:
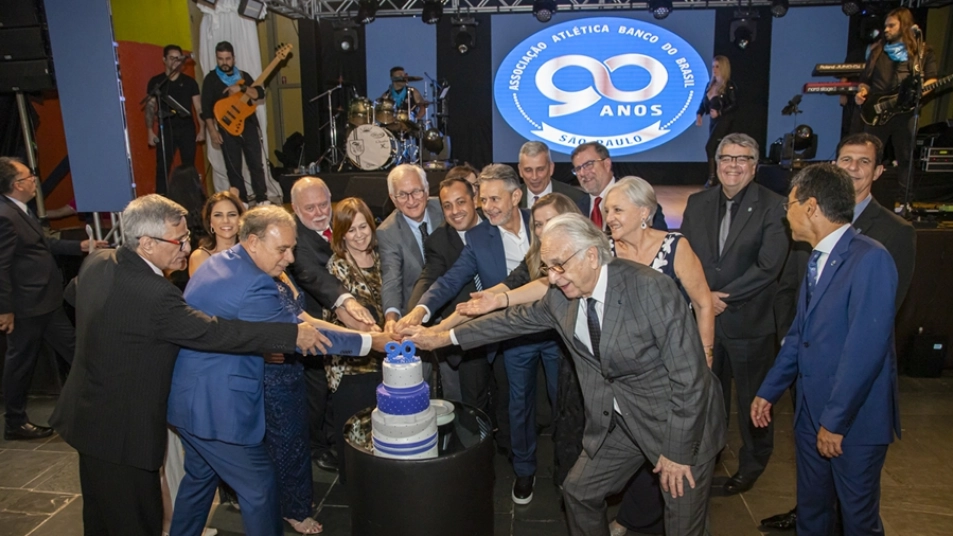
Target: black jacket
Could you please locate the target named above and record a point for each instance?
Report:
(310, 271)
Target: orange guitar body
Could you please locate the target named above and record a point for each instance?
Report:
(231, 111)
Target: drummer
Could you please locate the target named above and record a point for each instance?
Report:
(399, 92)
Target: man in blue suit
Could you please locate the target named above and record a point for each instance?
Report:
(840, 350)
(494, 248)
(216, 399)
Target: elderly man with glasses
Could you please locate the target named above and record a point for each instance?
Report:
(648, 392)
(31, 295)
(737, 231)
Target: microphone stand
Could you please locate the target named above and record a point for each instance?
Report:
(333, 154)
(161, 94)
(917, 88)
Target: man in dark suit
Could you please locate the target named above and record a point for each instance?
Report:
(442, 249)
(646, 385)
(738, 233)
(311, 201)
(593, 167)
(216, 402)
(493, 250)
(31, 295)
(536, 169)
(130, 323)
(860, 156)
(840, 350)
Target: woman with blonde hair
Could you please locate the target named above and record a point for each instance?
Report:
(719, 103)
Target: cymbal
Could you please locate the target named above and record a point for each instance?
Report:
(402, 125)
(408, 78)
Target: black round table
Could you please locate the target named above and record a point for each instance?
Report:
(449, 494)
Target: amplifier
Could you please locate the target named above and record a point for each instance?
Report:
(936, 159)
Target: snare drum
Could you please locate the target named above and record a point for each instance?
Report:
(385, 112)
(360, 112)
(371, 147)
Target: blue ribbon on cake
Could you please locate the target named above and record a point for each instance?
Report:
(401, 353)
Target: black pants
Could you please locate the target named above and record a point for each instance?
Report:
(23, 349)
(249, 145)
(354, 393)
(475, 373)
(897, 131)
(179, 136)
(119, 500)
(643, 508)
(320, 413)
(747, 361)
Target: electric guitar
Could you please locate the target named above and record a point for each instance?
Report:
(878, 108)
(231, 111)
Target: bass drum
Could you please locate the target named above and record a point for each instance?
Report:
(370, 147)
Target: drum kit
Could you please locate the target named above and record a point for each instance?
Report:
(379, 134)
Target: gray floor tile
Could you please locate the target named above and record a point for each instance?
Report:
(32, 502)
(66, 522)
(20, 467)
(62, 477)
(13, 524)
(539, 528)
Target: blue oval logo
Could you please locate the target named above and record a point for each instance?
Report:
(625, 83)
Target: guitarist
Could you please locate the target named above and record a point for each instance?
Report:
(222, 82)
(889, 62)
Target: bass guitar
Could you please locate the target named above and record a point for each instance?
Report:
(878, 108)
(231, 111)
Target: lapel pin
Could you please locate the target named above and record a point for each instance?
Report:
(749, 209)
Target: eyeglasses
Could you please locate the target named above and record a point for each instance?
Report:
(729, 159)
(559, 267)
(415, 194)
(586, 166)
(182, 243)
(31, 177)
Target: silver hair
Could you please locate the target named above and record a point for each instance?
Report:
(581, 233)
(149, 215)
(307, 182)
(534, 148)
(638, 191)
(398, 172)
(743, 140)
(257, 220)
(500, 172)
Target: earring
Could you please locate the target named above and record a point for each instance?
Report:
(212, 230)
(644, 225)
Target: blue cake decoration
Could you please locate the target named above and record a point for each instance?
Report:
(401, 353)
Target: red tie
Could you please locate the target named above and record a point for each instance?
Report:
(327, 234)
(596, 215)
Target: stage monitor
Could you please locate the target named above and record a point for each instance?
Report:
(629, 81)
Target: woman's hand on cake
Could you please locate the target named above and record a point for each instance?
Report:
(381, 338)
(480, 303)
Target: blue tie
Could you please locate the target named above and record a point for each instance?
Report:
(812, 274)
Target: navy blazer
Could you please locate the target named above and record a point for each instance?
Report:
(840, 348)
(219, 396)
(483, 254)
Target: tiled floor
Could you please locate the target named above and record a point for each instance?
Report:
(40, 495)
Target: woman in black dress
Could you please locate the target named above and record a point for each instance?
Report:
(719, 103)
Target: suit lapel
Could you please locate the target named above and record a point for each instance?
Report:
(35, 225)
(409, 238)
(611, 312)
(748, 205)
(867, 218)
(831, 266)
(711, 209)
(497, 252)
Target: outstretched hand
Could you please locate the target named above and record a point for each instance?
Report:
(672, 476)
(480, 303)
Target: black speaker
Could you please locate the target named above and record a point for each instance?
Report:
(16, 13)
(22, 44)
(30, 75)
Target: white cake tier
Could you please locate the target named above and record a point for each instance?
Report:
(403, 374)
(403, 429)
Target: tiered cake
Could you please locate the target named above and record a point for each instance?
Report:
(404, 425)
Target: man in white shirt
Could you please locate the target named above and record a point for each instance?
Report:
(536, 169)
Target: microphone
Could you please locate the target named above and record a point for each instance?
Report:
(916, 31)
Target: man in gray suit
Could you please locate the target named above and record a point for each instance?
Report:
(536, 169)
(647, 389)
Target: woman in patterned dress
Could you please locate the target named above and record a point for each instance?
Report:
(353, 380)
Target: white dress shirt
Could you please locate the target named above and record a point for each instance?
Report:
(20, 204)
(531, 197)
(582, 324)
(826, 245)
(516, 245)
(415, 228)
(602, 194)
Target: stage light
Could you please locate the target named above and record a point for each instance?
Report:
(779, 8)
(850, 7)
(463, 34)
(543, 9)
(744, 29)
(660, 8)
(367, 11)
(253, 9)
(433, 11)
(345, 36)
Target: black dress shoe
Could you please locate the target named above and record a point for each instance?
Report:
(785, 521)
(523, 489)
(738, 484)
(327, 461)
(27, 430)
